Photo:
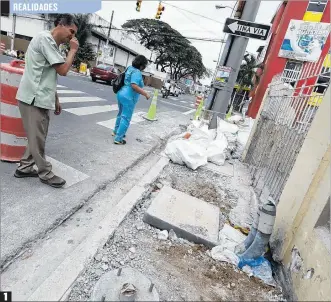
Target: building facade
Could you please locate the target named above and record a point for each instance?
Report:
(123, 47)
(301, 59)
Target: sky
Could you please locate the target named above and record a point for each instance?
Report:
(188, 24)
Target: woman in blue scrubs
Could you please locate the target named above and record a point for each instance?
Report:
(128, 97)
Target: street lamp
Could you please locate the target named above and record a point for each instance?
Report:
(222, 6)
(220, 53)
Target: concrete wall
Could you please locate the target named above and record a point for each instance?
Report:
(19, 44)
(298, 239)
(24, 26)
(121, 57)
(121, 37)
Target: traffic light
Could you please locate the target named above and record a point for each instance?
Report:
(138, 5)
(160, 9)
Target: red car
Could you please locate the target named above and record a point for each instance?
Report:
(104, 73)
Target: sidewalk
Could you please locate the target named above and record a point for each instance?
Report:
(110, 232)
(88, 160)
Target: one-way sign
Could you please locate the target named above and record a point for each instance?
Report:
(247, 29)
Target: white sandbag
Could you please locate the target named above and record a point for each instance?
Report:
(242, 138)
(172, 152)
(190, 153)
(225, 127)
(235, 119)
(202, 134)
(216, 151)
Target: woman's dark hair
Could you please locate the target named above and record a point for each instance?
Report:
(140, 62)
(66, 20)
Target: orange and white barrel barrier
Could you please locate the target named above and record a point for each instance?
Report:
(198, 101)
(2, 47)
(13, 137)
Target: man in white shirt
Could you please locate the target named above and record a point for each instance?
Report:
(167, 86)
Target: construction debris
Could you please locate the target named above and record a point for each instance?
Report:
(199, 145)
(181, 270)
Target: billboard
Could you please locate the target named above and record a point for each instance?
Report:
(304, 41)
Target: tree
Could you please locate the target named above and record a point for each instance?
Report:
(247, 71)
(173, 51)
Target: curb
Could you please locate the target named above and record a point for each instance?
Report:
(5, 263)
(58, 285)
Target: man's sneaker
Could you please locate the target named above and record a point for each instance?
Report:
(20, 174)
(55, 181)
(122, 142)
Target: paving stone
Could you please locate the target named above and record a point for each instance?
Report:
(190, 217)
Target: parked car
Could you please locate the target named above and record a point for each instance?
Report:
(104, 73)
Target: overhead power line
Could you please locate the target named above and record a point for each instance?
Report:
(168, 35)
(132, 31)
(196, 23)
(193, 13)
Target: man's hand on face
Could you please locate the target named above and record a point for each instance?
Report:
(74, 44)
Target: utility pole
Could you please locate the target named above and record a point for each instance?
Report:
(108, 36)
(232, 56)
(109, 29)
(107, 41)
(13, 33)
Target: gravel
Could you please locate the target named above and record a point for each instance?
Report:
(180, 270)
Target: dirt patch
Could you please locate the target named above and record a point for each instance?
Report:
(203, 184)
(180, 270)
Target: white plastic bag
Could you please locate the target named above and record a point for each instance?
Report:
(216, 151)
(220, 254)
(225, 127)
(173, 153)
(235, 119)
(187, 152)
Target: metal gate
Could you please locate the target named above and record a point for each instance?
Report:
(289, 109)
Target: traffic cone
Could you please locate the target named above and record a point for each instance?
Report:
(228, 115)
(151, 114)
(199, 110)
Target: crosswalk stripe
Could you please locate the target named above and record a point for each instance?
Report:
(80, 99)
(172, 104)
(91, 109)
(184, 102)
(110, 124)
(70, 92)
(71, 175)
(188, 112)
(61, 86)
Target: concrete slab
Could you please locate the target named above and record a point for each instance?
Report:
(226, 169)
(190, 217)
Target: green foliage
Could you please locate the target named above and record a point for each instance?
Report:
(174, 52)
(247, 71)
(85, 54)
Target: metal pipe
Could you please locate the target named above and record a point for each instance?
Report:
(264, 231)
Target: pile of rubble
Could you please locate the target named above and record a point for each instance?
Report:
(179, 269)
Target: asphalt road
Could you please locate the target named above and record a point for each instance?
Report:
(76, 85)
(81, 150)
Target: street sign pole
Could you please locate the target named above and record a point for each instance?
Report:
(232, 59)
